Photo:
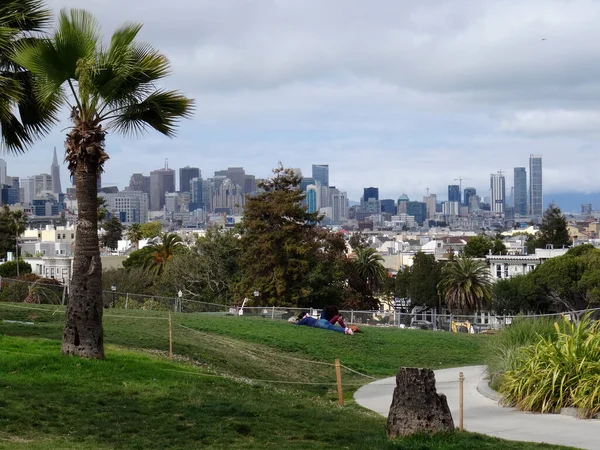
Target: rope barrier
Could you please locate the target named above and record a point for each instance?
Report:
(357, 372)
(10, 305)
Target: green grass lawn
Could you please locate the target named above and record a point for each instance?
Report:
(138, 401)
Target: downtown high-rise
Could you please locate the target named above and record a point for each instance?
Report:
(520, 191)
(498, 187)
(536, 195)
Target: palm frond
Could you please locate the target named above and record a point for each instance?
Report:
(24, 15)
(160, 111)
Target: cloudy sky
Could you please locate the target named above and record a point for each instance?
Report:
(402, 95)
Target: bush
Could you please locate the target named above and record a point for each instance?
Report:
(503, 347)
(558, 371)
(31, 288)
(9, 268)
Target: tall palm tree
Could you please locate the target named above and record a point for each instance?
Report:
(134, 234)
(23, 118)
(163, 252)
(105, 88)
(18, 225)
(465, 285)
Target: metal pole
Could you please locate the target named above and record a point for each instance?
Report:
(338, 377)
(461, 379)
(273, 313)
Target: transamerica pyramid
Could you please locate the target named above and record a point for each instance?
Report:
(55, 172)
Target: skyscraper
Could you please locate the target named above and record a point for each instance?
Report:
(238, 176)
(185, 175)
(388, 205)
(536, 195)
(312, 198)
(498, 186)
(320, 172)
(468, 193)
(454, 193)
(370, 192)
(139, 182)
(55, 172)
(2, 172)
(520, 191)
(196, 198)
(161, 182)
(431, 204)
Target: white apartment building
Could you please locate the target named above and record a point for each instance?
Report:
(508, 266)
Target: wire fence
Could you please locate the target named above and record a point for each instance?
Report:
(12, 290)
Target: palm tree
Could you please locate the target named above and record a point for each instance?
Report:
(134, 234)
(369, 271)
(465, 285)
(105, 88)
(18, 225)
(23, 118)
(163, 251)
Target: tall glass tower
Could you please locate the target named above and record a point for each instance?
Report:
(498, 186)
(536, 195)
(320, 172)
(520, 193)
(454, 193)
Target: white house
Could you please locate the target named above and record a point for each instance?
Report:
(508, 266)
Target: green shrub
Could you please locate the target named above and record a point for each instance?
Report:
(9, 268)
(558, 371)
(502, 348)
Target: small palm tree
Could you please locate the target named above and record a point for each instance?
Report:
(18, 225)
(163, 252)
(110, 87)
(23, 118)
(134, 234)
(465, 285)
(368, 268)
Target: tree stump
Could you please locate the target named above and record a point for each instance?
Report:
(416, 406)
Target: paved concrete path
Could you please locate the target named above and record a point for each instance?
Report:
(482, 415)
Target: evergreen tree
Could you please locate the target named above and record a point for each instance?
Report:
(424, 277)
(279, 242)
(553, 229)
(113, 232)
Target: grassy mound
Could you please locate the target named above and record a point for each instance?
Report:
(139, 401)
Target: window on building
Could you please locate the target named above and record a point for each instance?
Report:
(498, 271)
(72, 236)
(505, 270)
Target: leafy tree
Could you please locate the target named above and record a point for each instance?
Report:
(553, 231)
(424, 277)
(465, 285)
(138, 258)
(518, 295)
(209, 271)
(279, 242)
(480, 246)
(11, 269)
(23, 117)
(150, 230)
(134, 280)
(104, 87)
(402, 283)
(162, 253)
(358, 240)
(135, 235)
(113, 232)
(570, 282)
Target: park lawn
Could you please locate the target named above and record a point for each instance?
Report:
(139, 401)
(215, 339)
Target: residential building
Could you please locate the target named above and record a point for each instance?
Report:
(320, 172)
(520, 191)
(186, 174)
(129, 206)
(454, 193)
(508, 266)
(161, 182)
(498, 187)
(55, 173)
(536, 195)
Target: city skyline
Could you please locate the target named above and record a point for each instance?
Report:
(362, 91)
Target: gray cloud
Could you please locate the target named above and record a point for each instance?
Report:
(400, 94)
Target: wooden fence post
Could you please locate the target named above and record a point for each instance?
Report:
(338, 377)
(461, 379)
(170, 337)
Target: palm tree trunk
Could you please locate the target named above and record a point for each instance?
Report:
(83, 334)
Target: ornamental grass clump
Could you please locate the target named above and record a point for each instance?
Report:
(558, 371)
